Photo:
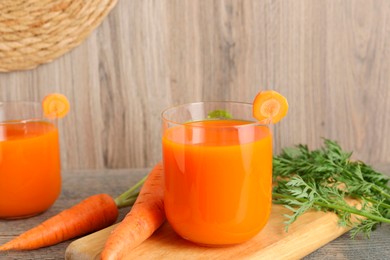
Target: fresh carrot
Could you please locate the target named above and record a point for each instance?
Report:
(55, 105)
(145, 217)
(269, 106)
(94, 213)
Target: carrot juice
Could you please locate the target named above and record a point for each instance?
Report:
(30, 180)
(218, 180)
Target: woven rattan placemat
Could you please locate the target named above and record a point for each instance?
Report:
(33, 32)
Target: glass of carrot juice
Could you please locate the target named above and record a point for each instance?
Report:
(30, 179)
(218, 172)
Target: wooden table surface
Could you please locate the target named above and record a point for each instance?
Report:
(80, 184)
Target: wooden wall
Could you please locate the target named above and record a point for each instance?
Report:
(331, 59)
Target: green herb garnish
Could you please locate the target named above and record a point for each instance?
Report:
(219, 114)
(322, 179)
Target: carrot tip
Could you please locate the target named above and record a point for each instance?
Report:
(91, 214)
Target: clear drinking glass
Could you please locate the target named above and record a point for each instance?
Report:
(30, 178)
(218, 172)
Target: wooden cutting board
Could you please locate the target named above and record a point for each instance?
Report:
(311, 231)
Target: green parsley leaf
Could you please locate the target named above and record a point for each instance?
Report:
(219, 114)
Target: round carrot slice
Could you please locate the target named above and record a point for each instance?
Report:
(55, 105)
(269, 105)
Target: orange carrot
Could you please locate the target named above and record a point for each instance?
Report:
(55, 105)
(92, 214)
(269, 105)
(146, 215)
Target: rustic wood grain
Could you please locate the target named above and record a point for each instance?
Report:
(331, 59)
(77, 185)
(310, 232)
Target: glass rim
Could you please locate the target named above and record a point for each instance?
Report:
(22, 121)
(19, 103)
(255, 122)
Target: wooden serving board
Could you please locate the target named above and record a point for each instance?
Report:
(311, 231)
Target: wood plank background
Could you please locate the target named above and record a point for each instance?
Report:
(331, 59)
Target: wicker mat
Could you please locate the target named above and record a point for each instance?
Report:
(33, 32)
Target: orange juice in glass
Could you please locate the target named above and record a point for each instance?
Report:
(218, 172)
(30, 179)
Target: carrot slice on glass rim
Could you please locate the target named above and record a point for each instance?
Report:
(55, 105)
(270, 106)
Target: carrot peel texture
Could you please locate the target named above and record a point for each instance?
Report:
(92, 214)
(145, 217)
